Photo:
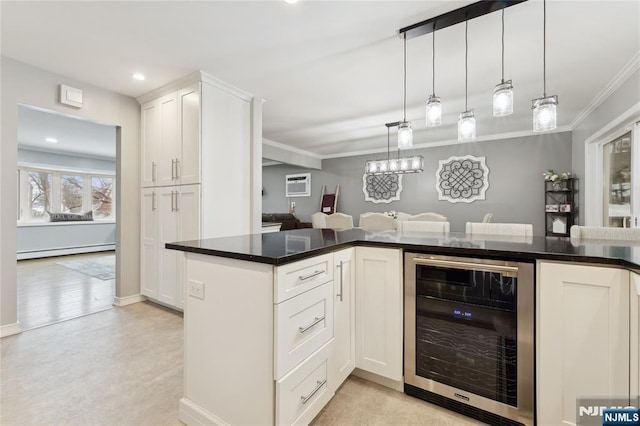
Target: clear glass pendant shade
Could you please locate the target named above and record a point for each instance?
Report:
(544, 113)
(433, 111)
(503, 99)
(404, 165)
(405, 135)
(466, 127)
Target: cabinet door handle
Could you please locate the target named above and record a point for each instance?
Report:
(306, 277)
(340, 267)
(177, 169)
(316, 320)
(153, 201)
(173, 169)
(153, 171)
(177, 202)
(319, 385)
(173, 209)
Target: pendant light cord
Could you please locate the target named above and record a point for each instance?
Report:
(405, 79)
(433, 61)
(544, 48)
(388, 143)
(466, 59)
(502, 46)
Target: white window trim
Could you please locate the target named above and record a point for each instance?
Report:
(24, 217)
(593, 179)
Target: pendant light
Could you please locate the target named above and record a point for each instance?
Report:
(405, 133)
(503, 92)
(466, 120)
(544, 108)
(398, 165)
(434, 106)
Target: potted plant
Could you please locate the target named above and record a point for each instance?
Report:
(556, 179)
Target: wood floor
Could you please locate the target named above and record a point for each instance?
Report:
(123, 366)
(49, 293)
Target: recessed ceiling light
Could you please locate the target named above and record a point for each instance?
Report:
(51, 140)
(291, 1)
(138, 76)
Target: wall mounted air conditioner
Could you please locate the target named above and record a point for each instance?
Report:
(298, 185)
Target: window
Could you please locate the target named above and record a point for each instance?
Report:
(39, 197)
(41, 191)
(71, 193)
(101, 188)
(617, 181)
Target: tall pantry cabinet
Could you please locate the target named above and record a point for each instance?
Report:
(199, 139)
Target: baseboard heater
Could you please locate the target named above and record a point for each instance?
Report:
(62, 251)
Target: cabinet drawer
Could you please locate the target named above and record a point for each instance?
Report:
(302, 325)
(298, 277)
(301, 394)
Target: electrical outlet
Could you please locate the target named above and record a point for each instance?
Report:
(196, 289)
(293, 204)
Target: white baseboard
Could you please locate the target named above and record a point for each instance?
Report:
(193, 414)
(128, 300)
(10, 329)
(397, 385)
(65, 251)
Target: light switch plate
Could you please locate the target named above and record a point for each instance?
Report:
(195, 289)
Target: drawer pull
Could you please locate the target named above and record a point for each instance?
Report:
(315, 321)
(320, 384)
(306, 277)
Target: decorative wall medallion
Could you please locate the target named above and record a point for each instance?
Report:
(462, 179)
(382, 188)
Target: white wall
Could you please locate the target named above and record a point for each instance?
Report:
(24, 84)
(27, 157)
(59, 238)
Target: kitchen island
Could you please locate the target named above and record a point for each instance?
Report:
(275, 322)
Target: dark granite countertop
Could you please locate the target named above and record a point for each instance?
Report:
(279, 248)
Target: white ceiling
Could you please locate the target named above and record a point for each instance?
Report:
(74, 136)
(331, 71)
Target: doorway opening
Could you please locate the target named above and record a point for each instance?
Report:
(66, 230)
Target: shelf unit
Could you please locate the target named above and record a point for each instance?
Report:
(564, 199)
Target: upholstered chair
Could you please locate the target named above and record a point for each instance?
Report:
(339, 221)
(376, 222)
(415, 226)
(604, 233)
(318, 220)
(514, 229)
(432, 217)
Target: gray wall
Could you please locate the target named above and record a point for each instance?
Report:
(25, 84)
(50, 159)
(515, 191)
(627, 95)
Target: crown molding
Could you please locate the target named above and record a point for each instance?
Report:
(627, 71)
(449, 142)
(194, 77)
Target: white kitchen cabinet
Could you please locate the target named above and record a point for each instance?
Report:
(187, 168)
(342, 360)
(197, 120)
(149, 243)
(379, 311)
(170, 213)
(582, 337)
(150, 126)
(171, 139)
